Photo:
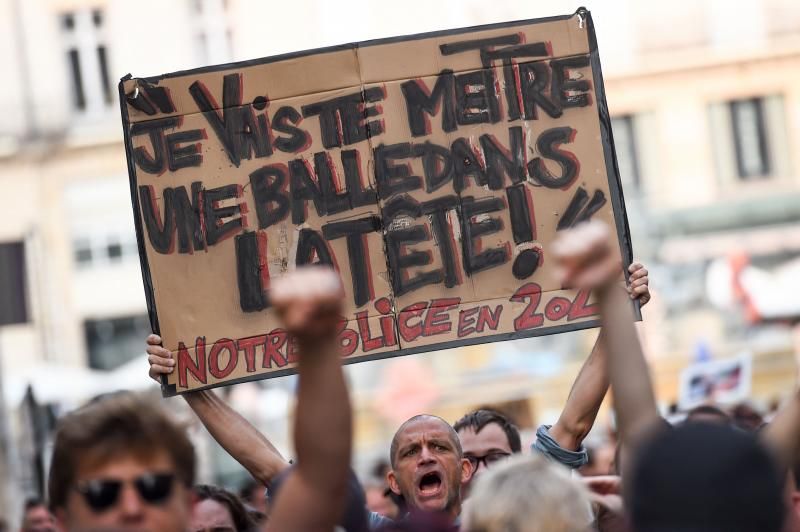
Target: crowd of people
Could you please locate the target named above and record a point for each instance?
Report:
(122, 463)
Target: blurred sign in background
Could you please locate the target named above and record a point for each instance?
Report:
(706, 105)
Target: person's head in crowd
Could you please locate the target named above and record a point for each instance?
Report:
(428, 465)
(487, 437)
(218, 510)
(36, 517)
(380, 469)
(121, 463)
(254, 496)
(705, 476)
(527, 494)
(601, 460)
(379, 500)
(708, 414)
(746, 417)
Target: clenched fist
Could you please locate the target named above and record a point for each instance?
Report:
(587, 257)
(309, 302)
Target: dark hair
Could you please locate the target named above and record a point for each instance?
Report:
(396, 443)
(241, 518)
(124, 423)
(478, 419)
(707, 410)
(378, 469)
(706, 476)
(746, 417)
(33, 502)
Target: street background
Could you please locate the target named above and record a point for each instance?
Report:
(705, 96)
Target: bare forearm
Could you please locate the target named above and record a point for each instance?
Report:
(237, 436)
(585, 398)
(323, 424)
(322, 434)
(634, 399)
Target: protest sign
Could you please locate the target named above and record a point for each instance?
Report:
(432, 171)
(724, 382)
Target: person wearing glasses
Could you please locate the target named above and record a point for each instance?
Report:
(121, 463)
(562, 442)
(487, 438)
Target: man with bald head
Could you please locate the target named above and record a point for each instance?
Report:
(428, 467)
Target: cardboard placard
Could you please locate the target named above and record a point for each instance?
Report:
(431, 171)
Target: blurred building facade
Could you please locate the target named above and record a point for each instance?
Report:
(706, 100)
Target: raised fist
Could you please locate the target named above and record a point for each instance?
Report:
(309, 301)
(587, 257)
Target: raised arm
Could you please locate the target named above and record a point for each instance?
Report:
(585, 398)
(309, 301)
(591, 384)
(233, 432)
(588, 258)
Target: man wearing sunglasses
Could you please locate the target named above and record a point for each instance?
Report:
(121, 463)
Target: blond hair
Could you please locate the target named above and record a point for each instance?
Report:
(527, 494)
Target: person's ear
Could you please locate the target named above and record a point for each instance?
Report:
(466, 471)
(391, 478)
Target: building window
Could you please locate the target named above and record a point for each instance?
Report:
(13, 284)
(114, 250)
(624, 131)
(212, 33)
(115, 341)
(750, 138)
(104, 250)
(83, 252)
(83, 37)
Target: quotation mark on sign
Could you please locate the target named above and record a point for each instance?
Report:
(581, 208)
(150, 100)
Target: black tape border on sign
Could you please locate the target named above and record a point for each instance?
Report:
(607, 139)
(362, 44)
(610, 154)
(149, 292)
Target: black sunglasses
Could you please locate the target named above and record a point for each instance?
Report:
(488, 459)
(102, 494)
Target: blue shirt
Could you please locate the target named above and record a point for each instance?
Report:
(551, 450)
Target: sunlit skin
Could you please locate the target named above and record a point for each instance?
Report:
(130, 512)
(211, 516)
(491, 439)
(428, 471)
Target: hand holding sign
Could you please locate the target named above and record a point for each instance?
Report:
(159, 358)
